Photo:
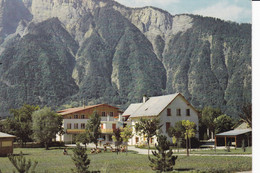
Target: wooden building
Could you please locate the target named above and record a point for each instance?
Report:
(235, 137)
(6, 144)
(75, 120)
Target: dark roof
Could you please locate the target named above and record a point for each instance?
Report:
(235, 132)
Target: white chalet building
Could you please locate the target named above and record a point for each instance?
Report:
(168, 108)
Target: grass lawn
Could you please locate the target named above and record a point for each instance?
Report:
(55, 162)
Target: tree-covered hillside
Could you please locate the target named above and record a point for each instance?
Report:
(103, 52)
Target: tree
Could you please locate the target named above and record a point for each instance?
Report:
(163, 160)
(20, 124)
(190, 131)
(84, 138)
(208, 116)
(21, 165)
(80, 159)
(46, 124)
(246, 114)
(178, 132)
(148, 128)
(93, 128)
(126, 134)
(117, 138)
(223, 123)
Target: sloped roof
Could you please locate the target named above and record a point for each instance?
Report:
(78, 109)
(235, 132)
(154, 106)
(131, 109)
(5, 135)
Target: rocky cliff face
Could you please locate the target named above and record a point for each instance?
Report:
(114, 54)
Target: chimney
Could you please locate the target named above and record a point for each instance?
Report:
(144, 98)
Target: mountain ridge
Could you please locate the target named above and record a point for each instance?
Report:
(121, 53)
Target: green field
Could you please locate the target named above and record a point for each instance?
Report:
(55, 162)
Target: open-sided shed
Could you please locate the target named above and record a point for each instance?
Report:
(6, 144)
(235, 137)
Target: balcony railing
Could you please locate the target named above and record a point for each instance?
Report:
(106, 130)
(75, 131)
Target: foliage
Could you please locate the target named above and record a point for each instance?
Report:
(163, 159)
(20, 124)
(80, 159)
(223, 123)
(46, 124)
(178, 132)
(148, 128)
(246, 114)
(84, 138)
(93, 128)
(190, 131)
(21, 165)
(209, 114)
(126, 133)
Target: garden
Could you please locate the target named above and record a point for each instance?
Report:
(53, 161)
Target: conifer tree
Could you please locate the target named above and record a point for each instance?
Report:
(163, 160)
(21, 165)
(80, 159)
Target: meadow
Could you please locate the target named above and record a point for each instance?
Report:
(54, 161)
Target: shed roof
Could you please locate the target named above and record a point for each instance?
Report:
(5, 135)
(154, 106)
(235, 132)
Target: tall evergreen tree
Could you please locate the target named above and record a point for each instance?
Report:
(164, 160)
(80, 159)
(93, 128)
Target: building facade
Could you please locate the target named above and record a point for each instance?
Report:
(75, 120)
(6, 144)
(169, 109)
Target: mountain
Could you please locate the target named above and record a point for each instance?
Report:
(61, 52)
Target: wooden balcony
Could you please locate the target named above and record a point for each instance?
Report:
(75, 131)
(106, 130)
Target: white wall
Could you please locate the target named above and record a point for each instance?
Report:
(178, 103)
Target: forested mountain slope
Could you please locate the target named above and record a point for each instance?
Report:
(64, 51)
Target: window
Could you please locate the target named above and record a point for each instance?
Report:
(7, 143)
(70, 117)
(69, 126)
(75, 116)
(187, 112)
(82, 116)
(168, 125)
(136, 140)
(169, 113)
(178, 112)
(103, 114)
(76, 126)
(111, 114)
(82, 125)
